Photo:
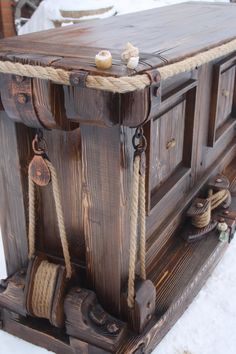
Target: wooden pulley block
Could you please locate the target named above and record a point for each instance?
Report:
(144, 305)
(192, 234)
(198, 207)
(219, 182)
(45, 290)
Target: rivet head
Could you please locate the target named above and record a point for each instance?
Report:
(199, 205)
(113, 328)
(225, 93)
(19, 78)
(156, 92)
(218, 180)
(21, 98)
(226, 212)
(221, 220)
(75, 80)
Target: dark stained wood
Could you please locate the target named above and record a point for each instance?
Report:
(222, 114)
(140, 315)
(89, 141)
(86, 320)
(7, 28)
(14, 204)
(105, 184)
(154, 31)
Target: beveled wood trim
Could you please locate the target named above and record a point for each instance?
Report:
(220, 68)
(185, 92)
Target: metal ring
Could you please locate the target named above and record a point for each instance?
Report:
(142, 141)
(39, 145)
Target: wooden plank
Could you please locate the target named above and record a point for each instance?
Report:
(7, 28)
(14, 156)
(106, 193)
(160, 30)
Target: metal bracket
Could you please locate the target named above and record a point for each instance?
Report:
(78, 78)
(154, 92)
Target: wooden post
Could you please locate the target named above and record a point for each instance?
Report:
(14, 152)
(6, 19)
(106, 179)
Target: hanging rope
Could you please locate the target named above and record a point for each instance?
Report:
(138, 215)
(118, 84)
(215, 200)
(60, 217)
(46, 275)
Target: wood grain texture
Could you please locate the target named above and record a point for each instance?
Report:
(93, 155)
(154, 31)
(106, 185)
(7, 28)
(14, 156)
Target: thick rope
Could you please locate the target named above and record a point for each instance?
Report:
(133, 232)
(43, 289)
(31, 231)
(215, 200)
(142, 216)
(118, 84)
(60, 218)
(138, 210)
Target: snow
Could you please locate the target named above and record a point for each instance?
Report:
(208, 326)
(49, 10)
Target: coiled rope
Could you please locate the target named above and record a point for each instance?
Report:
(118, 84)
(215, 200)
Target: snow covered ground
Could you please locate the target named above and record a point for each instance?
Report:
(209, 325)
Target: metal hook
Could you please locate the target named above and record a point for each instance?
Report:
(39, 144)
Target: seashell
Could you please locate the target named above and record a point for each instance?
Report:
(222, 226)
(103, 59)
(129, 52)
(133, 62)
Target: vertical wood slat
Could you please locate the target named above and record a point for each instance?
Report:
(105, 212)
(6, 19)
(14, 154)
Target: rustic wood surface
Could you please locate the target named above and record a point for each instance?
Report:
(191, 137)
(7, 28)
(160, 30)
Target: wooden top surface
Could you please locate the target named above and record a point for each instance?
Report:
(173, 31)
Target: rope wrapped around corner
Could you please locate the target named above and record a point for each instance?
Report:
(118, 84)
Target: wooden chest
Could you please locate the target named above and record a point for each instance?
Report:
(177, 110)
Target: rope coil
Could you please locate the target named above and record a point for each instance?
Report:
(118, 84)
(46, 274)
(215, 200)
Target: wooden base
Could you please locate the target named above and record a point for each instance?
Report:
(178, 272)
(178, 276)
